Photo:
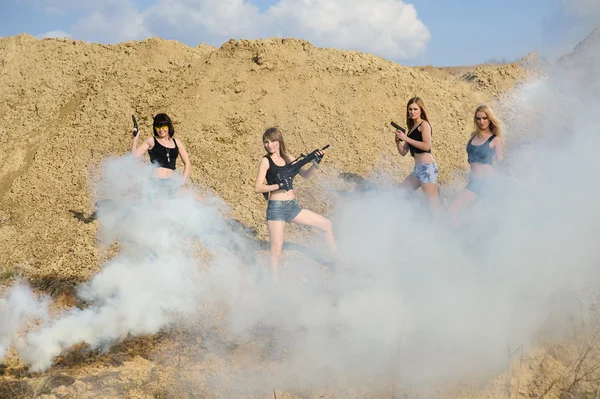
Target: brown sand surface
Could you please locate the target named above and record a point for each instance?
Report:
(66, 106)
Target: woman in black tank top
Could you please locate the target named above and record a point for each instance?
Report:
(282, 206)
(164, 150)
(418, 142)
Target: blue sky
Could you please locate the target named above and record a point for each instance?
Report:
(441, 32)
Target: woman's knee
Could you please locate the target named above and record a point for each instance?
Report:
(276, 251)
(430, 189)
(326, 226)
(458, 205)
(454, 207)
(276, 247)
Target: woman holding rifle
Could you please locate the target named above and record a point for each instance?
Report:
(282, 206)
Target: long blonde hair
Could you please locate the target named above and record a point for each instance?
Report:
(274, 134)
(415, 100)
(496, 126)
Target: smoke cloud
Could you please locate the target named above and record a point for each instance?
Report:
(151, 283)
(417, 301)
(16, 307)
(583, 8)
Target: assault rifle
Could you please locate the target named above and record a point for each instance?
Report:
(135, 126)
(289, 171)
(398, 127)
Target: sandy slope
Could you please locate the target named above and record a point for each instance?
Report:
(66, 105)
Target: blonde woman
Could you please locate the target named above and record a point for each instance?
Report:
(485, 145)
(282, 206)
(418, 142)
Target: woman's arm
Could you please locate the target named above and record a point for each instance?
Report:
(308, 172)
(145, 146)
(401, 145)
(259, 184)
(185, 158)
(498, 147)
(424, 145)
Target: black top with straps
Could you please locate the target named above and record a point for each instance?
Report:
(163, 156)
(482, 153)
(415, 134)
(273, 170)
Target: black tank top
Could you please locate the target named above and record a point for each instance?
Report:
(415, 134)
(163, 156)
(481, 153)
(273, 170)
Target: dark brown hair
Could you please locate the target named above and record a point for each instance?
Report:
(162, 120)
(274, 134)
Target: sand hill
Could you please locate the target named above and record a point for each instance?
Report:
(66, 106)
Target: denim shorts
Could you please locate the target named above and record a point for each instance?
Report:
(426, 172)
(480, 185)
(163, 188)
(282, 210)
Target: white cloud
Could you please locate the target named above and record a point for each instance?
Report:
(389, 28)
(54, 34)
(203, 20)
(59, 7)
(107, 21)
(111, 21)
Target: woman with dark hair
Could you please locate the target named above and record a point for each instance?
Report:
(163, 150)
(418, 142)
(282, 206)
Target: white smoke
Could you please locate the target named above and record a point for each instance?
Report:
(153, 282)
(424, 303)
(583, 8)
(18, 306)
(419, 302)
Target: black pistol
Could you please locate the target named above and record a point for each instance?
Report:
(398, 127)
(135, 126)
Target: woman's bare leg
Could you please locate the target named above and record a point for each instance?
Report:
(312, 219)
(431, 191)
(275, 228)
(410, 182)
(464, 199)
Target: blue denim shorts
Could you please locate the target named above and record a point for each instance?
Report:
(481, 185)
(426, 172)
(163, 188)
(282, 210)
